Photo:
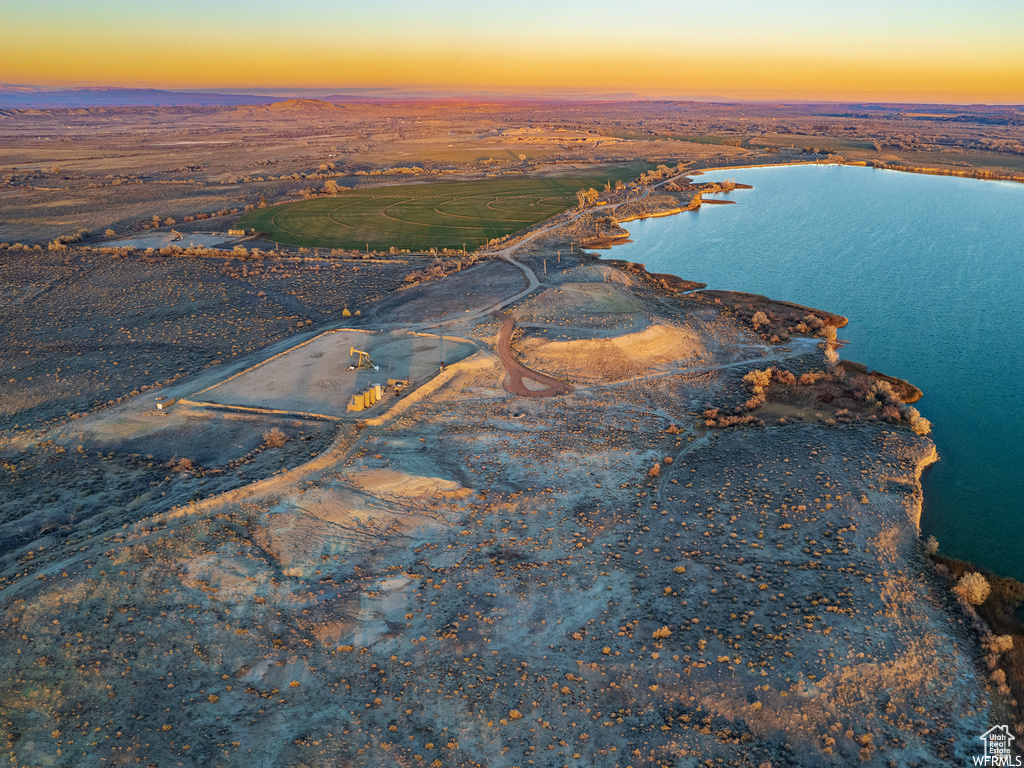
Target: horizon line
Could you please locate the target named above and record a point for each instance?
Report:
(400, 93)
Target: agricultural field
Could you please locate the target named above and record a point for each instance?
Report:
(423, 216)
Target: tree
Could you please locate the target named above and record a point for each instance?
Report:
(973, 587)
(831, 357)
(918, 423)
(757, 381)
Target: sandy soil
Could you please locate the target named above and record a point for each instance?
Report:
(614, 358)
(314, 378)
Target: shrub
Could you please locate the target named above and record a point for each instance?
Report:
(184, 464)
(759, 319)
(661, 634)
(882, 392)
(274, 438)
(972, 587)
(654, 471)
(931, 546)
(756, 380)
(918, 423)
(831, 356)
(109, 233)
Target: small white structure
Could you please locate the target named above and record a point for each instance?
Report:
(163, 403)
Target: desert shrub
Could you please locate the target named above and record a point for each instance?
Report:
(274, 438)
(813, 322)
(882, 393)
(829, 392)
(972, 587)
(109, 233)
(918, 423)
(755, 402)
(931, 546)
(661, 634)
(810, 378)
(783, 376)
(831, 356)
(827, 332)
(756, 380)
(759, 319)
(891, 413)
(654, 471)
(184, 464)
(999, 678)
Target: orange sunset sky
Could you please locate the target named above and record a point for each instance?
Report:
(896, 51)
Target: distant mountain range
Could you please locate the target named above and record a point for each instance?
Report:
(17, 97)
(34, 97)
(31, 97)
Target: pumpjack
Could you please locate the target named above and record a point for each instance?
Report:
(363, 361)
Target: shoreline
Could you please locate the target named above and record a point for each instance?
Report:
(922, 170)
(911, 392)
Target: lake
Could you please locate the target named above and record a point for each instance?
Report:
(930, 272)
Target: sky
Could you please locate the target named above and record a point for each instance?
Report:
(879, 50)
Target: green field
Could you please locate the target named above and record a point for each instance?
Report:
(422, 216)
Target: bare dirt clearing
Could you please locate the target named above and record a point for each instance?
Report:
(314, 377)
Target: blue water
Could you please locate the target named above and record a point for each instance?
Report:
(930, 271)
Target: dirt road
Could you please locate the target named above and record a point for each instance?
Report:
(517, 372)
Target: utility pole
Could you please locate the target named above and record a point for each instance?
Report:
(545, 266)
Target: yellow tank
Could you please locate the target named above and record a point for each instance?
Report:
(357, 403)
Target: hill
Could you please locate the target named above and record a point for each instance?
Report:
(293, 108)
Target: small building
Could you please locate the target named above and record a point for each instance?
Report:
(163, 403)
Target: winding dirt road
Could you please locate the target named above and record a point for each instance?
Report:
(519, 373)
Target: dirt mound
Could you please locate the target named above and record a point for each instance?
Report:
(612, 359)
(386, 482)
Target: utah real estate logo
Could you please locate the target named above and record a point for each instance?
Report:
(998, 750)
